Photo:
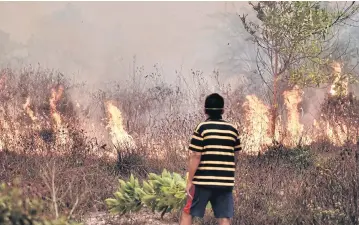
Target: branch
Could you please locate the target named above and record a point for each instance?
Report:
(259, 71)
(73, 208)
(46, 176)
(287, 63)
(54, 200)
(340, 17)
(265, 65)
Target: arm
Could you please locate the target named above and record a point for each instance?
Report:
(194, 160)
(196, 148)
(237, 149)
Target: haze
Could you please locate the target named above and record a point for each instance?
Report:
(97, 41)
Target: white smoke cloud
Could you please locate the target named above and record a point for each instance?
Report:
(98, 40)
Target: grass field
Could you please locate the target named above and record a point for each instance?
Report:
(64, 151)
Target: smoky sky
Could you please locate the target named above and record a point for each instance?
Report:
(102, 41)
(97, 41)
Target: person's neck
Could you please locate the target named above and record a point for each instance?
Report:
(214, 117)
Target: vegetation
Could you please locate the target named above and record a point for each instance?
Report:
(71, 180)
(16, 209)
(304, 185)
(294, 42)
(163, 193)
(343, 112)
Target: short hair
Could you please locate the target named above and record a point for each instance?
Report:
(214, 105)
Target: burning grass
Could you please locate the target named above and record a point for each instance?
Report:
(341, 114)
(49, 141)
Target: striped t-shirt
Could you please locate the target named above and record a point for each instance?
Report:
(216, 140)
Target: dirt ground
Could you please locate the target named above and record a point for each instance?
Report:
(140, 218)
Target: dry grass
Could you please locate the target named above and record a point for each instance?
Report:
(315, 184)
(298, 188)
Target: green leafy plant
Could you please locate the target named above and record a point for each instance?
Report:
(17, 210)
(127, 198)
(162, 193)
(165, 192)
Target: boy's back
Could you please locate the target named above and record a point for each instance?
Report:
(217, 141)
(211, 172)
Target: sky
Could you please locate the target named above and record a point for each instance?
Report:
(100, 42)
(97, 41)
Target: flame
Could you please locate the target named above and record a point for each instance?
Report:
(339, 81)
(292, 99)
(256, 130)
(2, 145)
(257, 123)
(332, 90)
(28, 110)
(120, 137)
(257, 120)
(55, 96)
(337, 134)
(59, 127)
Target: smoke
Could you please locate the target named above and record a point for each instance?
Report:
(95, 41)
(310, 107)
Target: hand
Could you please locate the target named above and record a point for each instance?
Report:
(189, 188)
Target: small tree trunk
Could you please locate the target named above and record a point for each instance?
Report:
(275, 101)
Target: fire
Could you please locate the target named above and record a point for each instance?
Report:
(337, 135)
(2, 145)
(55, 96)
(256, 130)
(340, 84)
(257, 123)
(292, 99)
(332, 90)
(59, 127)
(28, 110)
(120, 138)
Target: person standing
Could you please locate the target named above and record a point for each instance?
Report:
(214, 148)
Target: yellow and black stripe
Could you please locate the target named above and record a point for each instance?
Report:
(217, 141)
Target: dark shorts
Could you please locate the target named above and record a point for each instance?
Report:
(221, 202)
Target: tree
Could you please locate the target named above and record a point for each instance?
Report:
(293, 40)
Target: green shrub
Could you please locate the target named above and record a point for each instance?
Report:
(162, 193)
(15, 209)
(127, 198)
